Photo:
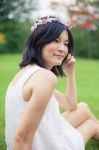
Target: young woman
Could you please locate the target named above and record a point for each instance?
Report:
(33, 119)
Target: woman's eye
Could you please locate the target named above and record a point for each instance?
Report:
(57, 40)
(66, 44)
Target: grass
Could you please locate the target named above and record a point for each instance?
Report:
(87, 72)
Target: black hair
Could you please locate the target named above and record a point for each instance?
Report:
(41, 36)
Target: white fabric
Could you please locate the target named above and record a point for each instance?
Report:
(53, 133)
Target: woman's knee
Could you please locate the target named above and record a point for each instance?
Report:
(82, 106)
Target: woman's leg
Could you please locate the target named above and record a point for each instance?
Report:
(88, 129)
(80, 115)
(84, 121)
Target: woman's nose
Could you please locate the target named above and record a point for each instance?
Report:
(62, 47)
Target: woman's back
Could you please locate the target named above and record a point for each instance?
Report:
(15, 103)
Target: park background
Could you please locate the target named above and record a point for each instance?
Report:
(16, 19)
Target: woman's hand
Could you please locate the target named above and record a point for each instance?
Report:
(69, 66)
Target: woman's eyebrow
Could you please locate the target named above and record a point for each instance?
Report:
(66, 40)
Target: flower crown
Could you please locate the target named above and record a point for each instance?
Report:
(48, 19)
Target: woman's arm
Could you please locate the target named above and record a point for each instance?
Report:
(61, 99)
(35, 110)
(69, 100)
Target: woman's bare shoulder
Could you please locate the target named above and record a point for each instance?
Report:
(44, 75)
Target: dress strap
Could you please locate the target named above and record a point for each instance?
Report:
(28, 73)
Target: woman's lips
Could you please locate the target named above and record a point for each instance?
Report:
(58, 55)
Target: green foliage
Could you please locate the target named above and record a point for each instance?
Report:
(14, 24)
(5, 8)
(15, 34)
(86, 42)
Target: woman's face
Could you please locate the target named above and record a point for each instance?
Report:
(54, 53)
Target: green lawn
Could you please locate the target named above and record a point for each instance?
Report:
(87, 81)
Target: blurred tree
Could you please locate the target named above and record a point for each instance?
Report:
(13, 36)
(15, 23)
(16, 9)
(85, 18)
(85, 13)
(86, 43)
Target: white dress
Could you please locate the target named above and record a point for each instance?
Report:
(53, 132)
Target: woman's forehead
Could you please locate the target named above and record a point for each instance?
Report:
(64, 35)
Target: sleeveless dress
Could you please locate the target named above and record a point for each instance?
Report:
(53, 132)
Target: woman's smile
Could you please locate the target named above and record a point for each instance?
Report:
(59, 56)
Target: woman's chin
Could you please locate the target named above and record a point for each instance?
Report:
(58, 64)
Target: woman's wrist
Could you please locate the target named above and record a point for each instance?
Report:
(70, 75)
